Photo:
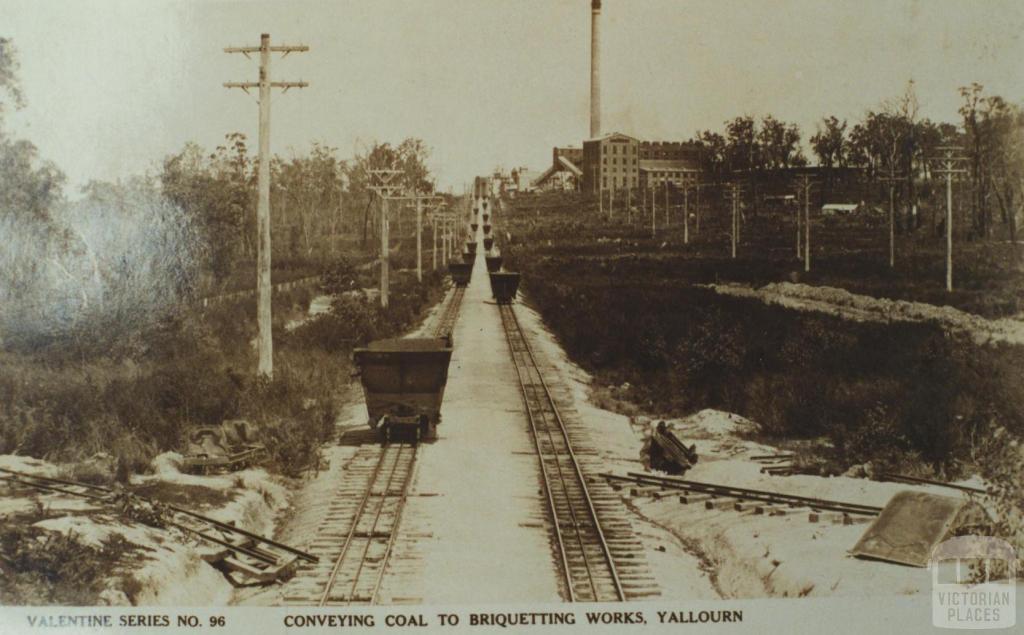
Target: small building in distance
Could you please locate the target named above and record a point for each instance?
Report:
(564, 173)
(618, 161)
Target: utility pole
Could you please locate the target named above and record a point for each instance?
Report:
(948, 164)
(699, 213)
(629, 203)
(805, 185)
(654, 214)
(733, 193)
(686, 214)
(667, 217)
(384, 183)
(264, 339)
(643, 205)
(892, 180)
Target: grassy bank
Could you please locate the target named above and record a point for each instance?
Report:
(895, 394)
(135, 394)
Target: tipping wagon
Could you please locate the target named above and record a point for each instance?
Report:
(488, 242)
(471, 246)
(460, 272)
(487, 229)
(493, 263)
(403, 382)
(504, 285)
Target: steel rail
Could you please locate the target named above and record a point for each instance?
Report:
(446, 323)
(357, 517)
(394, 532)
(111, 491)
(512, 325)
(544, 476)
(373, 530)
(741, 493)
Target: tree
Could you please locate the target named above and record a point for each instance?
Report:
(987, 121)
(778, 144)
(216, 191)
(829, 143)
(712, 151)
(307, 192)
(741, 148)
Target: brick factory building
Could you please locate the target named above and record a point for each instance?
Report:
(618, 161)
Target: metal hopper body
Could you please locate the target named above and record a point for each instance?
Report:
(403, 382)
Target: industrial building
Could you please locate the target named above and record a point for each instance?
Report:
(618, 161)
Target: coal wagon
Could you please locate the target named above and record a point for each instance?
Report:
(460, 272)
(403, 382)
(493, 263)
(504, 285)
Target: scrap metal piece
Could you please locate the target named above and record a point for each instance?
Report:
(912, 523)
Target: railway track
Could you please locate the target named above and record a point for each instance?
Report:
(357, 535)
(714, 491)
(599, 557)
(446, 321)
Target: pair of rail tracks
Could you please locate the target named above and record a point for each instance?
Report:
(713, 491)
(599, 557)
(245, 555)
(359, 531)
(357, 536)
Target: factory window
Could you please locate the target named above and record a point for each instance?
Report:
(606, 182)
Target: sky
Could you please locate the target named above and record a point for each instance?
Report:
(114, 86)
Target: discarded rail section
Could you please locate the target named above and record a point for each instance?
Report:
(245, 557)
(740, 498)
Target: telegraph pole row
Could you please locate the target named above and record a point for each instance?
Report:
(264, 339)
(948, 164)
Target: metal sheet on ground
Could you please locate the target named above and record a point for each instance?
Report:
(910, 526)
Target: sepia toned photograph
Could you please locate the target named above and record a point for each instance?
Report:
(560, 315)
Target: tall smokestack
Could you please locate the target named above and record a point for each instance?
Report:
(595, 69)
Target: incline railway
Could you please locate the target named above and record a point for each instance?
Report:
(598, 555)
(358, 533)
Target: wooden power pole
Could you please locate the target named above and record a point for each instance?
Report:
(384, 183)
(805, 185)
(892, 180)
(948, 164)
(264, 339)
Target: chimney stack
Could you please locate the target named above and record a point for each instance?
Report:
(595, 69)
